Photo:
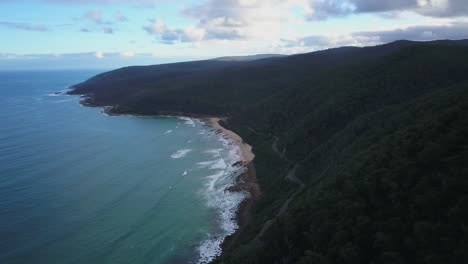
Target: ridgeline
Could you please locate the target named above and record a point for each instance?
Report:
(361, 153)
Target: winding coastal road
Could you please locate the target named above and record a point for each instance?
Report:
(291, 176)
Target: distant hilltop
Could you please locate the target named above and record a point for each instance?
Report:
(249, 57)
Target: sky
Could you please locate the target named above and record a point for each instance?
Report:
(104, 34)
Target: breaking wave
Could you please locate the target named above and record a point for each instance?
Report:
(180, 153)
(219, 195)
(188, 121)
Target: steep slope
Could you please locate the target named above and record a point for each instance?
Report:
(377, 135)
(384, 156)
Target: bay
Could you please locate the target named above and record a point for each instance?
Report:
(77, 186)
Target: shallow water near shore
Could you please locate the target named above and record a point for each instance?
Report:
(77, 186)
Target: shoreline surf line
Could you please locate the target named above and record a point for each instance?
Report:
(246, 182)
(247, 155)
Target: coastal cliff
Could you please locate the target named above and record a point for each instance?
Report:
(360, 153)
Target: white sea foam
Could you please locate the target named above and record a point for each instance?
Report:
(219, 197)
(218, 165)
(187, 120)
(60, 93)
(63, 101)
(214, 152)
(209, 249)
(55, 94)
(180, 153)
(167, 132)
(213, 179)
(103, 112)
(205, 164)
(226, 204)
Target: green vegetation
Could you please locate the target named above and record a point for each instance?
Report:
(379, 134)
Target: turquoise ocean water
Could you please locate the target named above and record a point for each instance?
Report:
(77, 186)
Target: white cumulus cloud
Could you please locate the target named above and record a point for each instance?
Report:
(127, 54)
(99, 54)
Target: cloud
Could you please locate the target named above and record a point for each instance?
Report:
(94, 15)
(316, 42)
(138, 3)
(230, 20)
(173, 35)
(444, 8)
(120, 17)
(98, 24)
(128, 54)
(240, 19)
(108, 30)
(157, 26)
(84, 60)
(454, 30)
(193, 34)
(323, 9)
(76, 56)
(316, 9)
(24, 26)
(99, 54)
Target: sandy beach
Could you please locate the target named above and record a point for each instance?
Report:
(246, 182)
(246, 149)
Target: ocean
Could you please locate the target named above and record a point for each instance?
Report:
(77, 186)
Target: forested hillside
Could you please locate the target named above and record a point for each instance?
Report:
(377, 136)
